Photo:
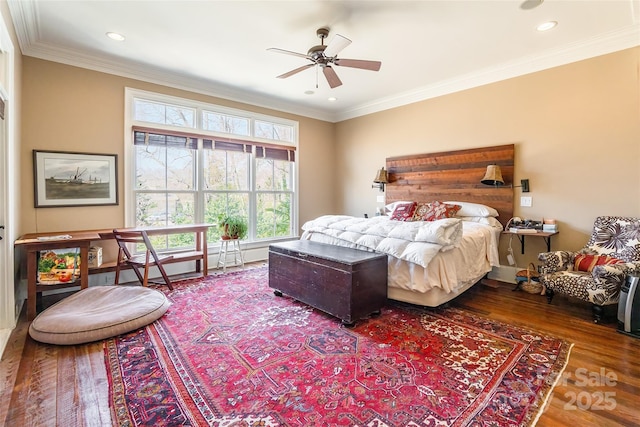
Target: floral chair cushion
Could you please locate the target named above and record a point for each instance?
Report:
(617, 237)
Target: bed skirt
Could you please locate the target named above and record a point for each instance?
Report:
(432, 298)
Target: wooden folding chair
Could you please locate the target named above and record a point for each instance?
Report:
(138, 262)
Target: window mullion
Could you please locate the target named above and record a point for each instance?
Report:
(253, 204)
(198, 203)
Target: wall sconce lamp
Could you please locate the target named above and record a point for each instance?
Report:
(493, 176)
(380, 180)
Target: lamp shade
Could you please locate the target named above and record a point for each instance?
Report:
(381, 177)
(493, 176)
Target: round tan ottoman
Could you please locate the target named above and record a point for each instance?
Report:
(97, 313)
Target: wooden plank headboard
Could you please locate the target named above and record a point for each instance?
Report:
(453, 175)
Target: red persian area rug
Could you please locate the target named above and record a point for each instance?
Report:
(228, 352)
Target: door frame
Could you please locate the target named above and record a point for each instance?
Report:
(8, 192)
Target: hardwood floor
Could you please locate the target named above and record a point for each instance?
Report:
(45, 385)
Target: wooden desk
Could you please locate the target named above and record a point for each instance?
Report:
(546, 235)
(34, 243)
(200, 231)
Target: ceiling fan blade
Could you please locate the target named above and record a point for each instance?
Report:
(288, 52)
(296, 71)
(332, 77)
(336, 45)
(359, 63)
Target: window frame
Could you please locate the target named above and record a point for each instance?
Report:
(129, 193)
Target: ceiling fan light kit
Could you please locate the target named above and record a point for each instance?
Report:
(326, 56)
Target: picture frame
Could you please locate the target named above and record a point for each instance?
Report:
(66, 179)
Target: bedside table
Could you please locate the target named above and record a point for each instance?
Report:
(546, 235)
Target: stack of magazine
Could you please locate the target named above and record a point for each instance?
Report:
(522, 230)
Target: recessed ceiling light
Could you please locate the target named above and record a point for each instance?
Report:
(530, 4)
(332, 99)
(546, 26)
(115, 36)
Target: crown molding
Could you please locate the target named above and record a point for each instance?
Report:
(25, 22)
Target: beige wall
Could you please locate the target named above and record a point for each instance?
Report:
(72, 109)
(576, 129)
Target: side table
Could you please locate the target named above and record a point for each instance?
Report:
(226, 252)
(546, 235)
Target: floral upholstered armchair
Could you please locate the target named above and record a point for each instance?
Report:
(597, 271)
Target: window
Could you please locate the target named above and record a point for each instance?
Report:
(225, 123)
(227, 179)
(273, 131)
(193, 162)
(273, 187)
(155, 112)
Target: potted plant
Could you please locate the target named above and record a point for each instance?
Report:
(233, 227)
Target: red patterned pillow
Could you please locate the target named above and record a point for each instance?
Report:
(421, 210)
(438, 210)
(404, 211)
(588, 262)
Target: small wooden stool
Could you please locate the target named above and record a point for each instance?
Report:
(225, 252)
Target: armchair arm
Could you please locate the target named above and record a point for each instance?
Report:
(608, 280)
(619, 270)
(555, 261)
(609, 273)
(632, 268)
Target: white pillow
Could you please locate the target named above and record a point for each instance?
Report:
(392, 206)
(474, 209)
(487, 220)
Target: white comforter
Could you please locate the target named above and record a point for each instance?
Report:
(418, 266)
(417, 242)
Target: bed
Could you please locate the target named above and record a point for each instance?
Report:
(432, 262)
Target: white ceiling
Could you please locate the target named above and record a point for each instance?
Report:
(427, 48)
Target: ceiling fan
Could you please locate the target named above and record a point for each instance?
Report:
(326, 56)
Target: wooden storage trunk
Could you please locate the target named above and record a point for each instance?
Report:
(346, 283)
